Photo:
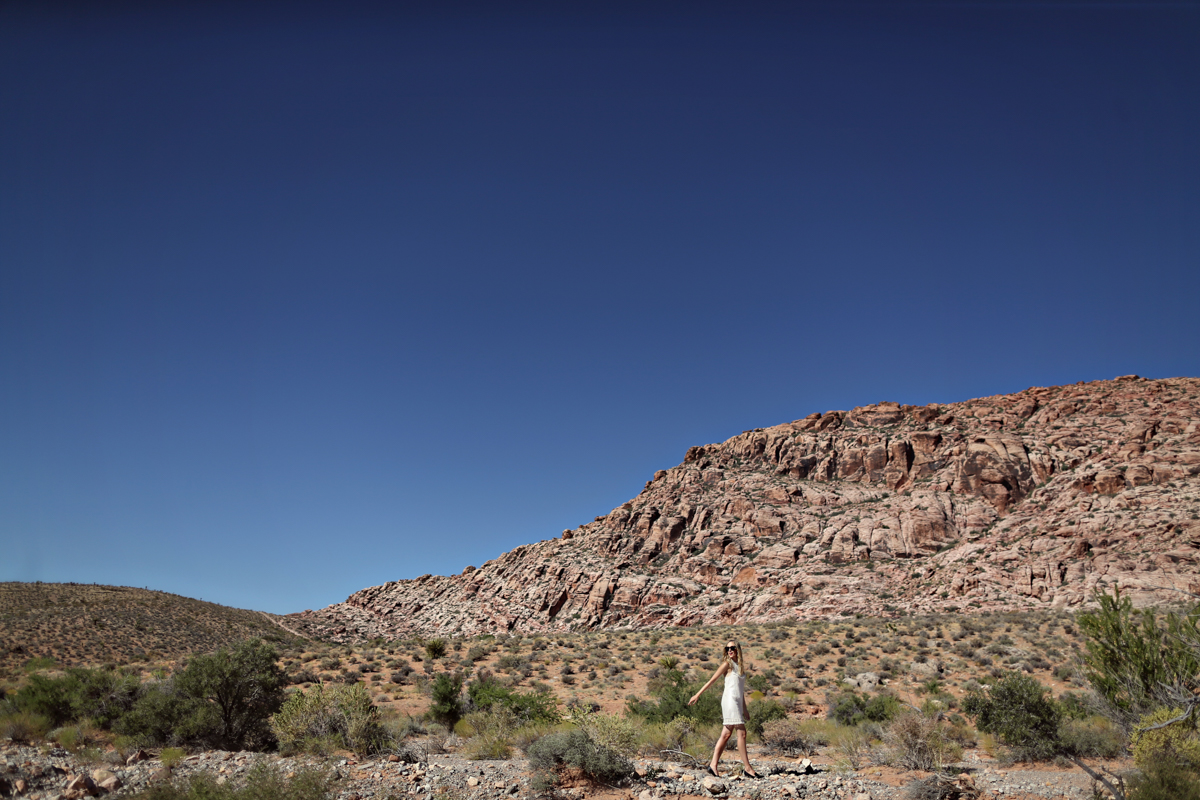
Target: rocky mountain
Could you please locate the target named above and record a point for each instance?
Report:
(1030, 499)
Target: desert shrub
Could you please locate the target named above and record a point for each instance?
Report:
(1092, 737)
(329, 717)
(788, 736)
(917, 741)
(618, 734)
(1178, 742)
(1020, 712)
(447, 706)
(490, 731)
(762, 712)
(671, 700)
(23, 726)
(852, 708)
(245, 686)
(852, 744)
(171, 756)
(549, 755)
(164, 716)
(435, 648)
(48, 697)
(262, 783)
(1164, 780)
(223, 700)
(539, 706)
(1135, 661)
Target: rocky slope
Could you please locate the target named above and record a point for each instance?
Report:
(1030, 499)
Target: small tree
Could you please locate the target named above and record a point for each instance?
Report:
(244, 685)
(447, 707)
(1021, 713)
(1136, 662)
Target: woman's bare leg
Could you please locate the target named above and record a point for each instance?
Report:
(741, 745)
(720, 748)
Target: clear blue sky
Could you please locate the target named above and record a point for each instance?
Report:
(298, 299)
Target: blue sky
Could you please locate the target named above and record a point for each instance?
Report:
(301, 298)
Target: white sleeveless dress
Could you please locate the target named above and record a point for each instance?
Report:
(731, 698)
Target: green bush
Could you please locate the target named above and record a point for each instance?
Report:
(672, 695)
(447, 706)
(550, 754)
(99, 695)
(762, 712)
(23, 726)
(1165, 780)
(852, 708)
(262, 783)
(47, 697)
(1135, 661)
(164, 716)
(1178, 742)
(435, 648)
(328, 717)
(486, 692)
(1093, 737)
(223, 700)
(1021, 713)
(618, 734)
(491, 732)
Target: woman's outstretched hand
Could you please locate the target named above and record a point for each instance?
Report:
(692, 702)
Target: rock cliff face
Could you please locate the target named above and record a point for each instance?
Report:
(1031, 499)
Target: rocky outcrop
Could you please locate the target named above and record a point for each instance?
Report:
(1030, 499)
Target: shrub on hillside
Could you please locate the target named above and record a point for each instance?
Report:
(852, 708)
(1021, 713)
(551, 755)
(1165, 780)
(223, 700)
(917, 741)
(1178, 742)
(447, 705)
(762, 712)
(671, 700)
(539, 706)
(99, 695)
(245, 686)
(788, 736)
(330, 717)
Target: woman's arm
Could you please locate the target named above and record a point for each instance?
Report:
(720, 671)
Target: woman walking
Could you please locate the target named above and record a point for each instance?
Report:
(733, 707)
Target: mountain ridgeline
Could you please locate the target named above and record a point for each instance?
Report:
(1032, 499)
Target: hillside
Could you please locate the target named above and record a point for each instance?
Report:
(1033, 499)
(87, 624)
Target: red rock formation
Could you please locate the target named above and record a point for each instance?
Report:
(1030, 499)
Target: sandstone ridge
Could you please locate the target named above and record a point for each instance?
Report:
(1029, 499)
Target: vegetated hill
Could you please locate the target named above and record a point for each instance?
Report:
(1034, 499)
(81, 624)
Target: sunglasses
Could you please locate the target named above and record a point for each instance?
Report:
(730, 649)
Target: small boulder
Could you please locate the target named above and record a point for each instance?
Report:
(714, 786)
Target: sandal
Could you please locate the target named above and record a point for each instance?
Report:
(712, 771)
(749, 773)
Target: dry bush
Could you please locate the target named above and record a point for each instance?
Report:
(917, 741)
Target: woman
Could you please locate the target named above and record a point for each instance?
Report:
(733, 707)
